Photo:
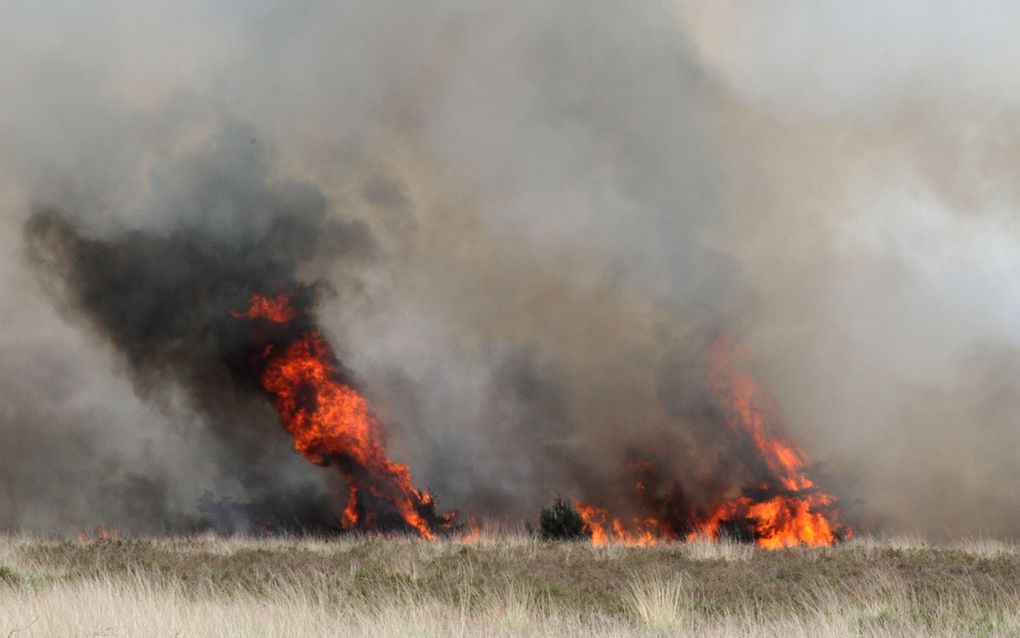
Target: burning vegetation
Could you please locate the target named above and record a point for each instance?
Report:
(234, 352)
(214, 319)
(783, 508)
(331, 423)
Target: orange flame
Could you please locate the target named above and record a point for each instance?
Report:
(331, 422)
(99, 533)
(792, 510)
(642, 532)
(472, 532)
(350, 516)
(276, 309)
(803, 515)
(752, 412)
(781, 521)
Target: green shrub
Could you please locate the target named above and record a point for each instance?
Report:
(560, 521)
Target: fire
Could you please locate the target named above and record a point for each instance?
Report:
(276, 309)
(642, 532)
(472, 532)
(100, 532)
(781, 521)
(752, 412)
(350, 516)
(786, 509)
(331, 423)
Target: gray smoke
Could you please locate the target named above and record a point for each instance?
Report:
(523, 222)
(163, 299)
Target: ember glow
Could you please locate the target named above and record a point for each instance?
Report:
(784, 509)
(276, 309)
(332, 424)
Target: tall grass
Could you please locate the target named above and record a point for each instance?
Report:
(657, 603)
(499, 586)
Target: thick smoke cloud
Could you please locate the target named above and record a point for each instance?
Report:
(528, 219)
(163, 299)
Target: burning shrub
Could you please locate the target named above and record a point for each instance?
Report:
(560, 521)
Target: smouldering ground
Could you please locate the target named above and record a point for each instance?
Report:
(501, 586)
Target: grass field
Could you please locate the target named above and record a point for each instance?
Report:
(502, 585)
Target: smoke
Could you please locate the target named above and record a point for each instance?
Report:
(520, 225)
(163, 298)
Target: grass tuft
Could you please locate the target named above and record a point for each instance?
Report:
(723, 549)
(657, 603)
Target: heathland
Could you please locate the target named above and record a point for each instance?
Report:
(502, 585)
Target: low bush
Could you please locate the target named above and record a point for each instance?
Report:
(560, 521)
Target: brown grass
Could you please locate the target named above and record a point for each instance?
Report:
(510, 585)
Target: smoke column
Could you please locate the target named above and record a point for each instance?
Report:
(520, 226)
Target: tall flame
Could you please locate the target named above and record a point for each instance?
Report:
(750, 411)
(785, 509)
(332, 424)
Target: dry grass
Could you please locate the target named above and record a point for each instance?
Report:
(723, 549)
(658, 603)
(502, 584)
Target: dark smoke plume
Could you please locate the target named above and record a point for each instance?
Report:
(163, 299)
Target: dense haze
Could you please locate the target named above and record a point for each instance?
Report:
(523, 221)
